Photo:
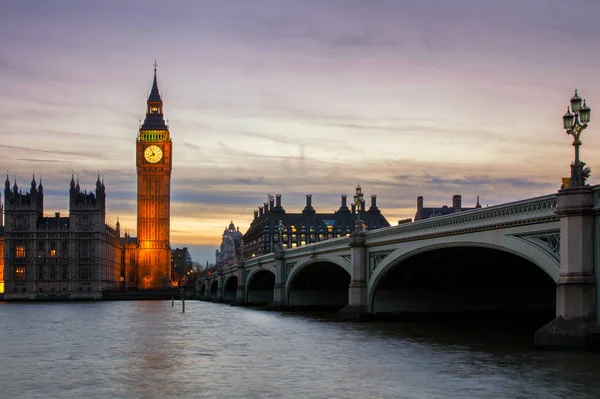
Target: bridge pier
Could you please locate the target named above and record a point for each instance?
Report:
(575, 325)
(220, 289)
(240, 298)
(357, 292)
(279, 299)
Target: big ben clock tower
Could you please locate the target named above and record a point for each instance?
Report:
(153, 161)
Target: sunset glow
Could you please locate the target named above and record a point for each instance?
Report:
(430, 98)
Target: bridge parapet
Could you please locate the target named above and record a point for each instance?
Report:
(596, 190)
(268, 258)
(318, 248)
(534, 210)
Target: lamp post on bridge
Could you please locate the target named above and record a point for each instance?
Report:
(577, 295)
(575, 123)
(358, 199)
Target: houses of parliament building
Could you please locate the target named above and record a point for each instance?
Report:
(80, 256)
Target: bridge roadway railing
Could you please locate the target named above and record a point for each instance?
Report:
(530, 211)
(534, 210)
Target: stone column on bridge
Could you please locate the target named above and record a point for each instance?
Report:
(279, 300)
(240, 297)
(575, 324)
(220, 287)
(357, 291)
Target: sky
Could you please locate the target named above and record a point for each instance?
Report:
(407, 98)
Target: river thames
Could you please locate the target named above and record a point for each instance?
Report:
(148, 349)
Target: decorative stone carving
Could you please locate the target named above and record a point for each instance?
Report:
(549, 242)
(376, 258)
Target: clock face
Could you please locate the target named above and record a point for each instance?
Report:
(153, 154)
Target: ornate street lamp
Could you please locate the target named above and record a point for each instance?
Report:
(358, 198)
(574, 123)
(280, 229)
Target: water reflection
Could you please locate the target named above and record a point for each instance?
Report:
(152, 350)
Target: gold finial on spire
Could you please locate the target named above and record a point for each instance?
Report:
(155, 65)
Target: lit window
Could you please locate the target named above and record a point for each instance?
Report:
(330, 229)
(53, 253)
(293, 229)
(20, 251)
(19, 273)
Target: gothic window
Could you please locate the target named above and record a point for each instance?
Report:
(64, 272)
(53, 249)
(53, 272)
(20, 221)
(85, 249)
(85, 222)
(64, 248)
(40, 272)
(20, 273)
(84, 272)
(20, 251)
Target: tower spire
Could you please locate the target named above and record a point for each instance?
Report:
(154, 96)
(154, 111)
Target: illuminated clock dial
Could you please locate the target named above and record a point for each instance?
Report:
(153, 154)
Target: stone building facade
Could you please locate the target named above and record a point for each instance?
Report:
(80, 256)
(182, 263)
(426, 213)
(306, 227)
(229, 250)
(71, 257)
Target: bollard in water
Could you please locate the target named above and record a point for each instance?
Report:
(172, 302)
(182, 305)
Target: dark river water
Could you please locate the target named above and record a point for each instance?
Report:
(152, 350)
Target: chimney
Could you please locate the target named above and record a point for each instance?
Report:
(266, 206)
(271, 204)
(260, 211)
(373, 207)
(278, 200)
(255, 215)
(344, 205)
(419, 203)
(353, 207)
(363, 205)
(308, 209)
(456, 201)
(57, 214)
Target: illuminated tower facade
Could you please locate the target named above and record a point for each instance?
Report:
(154, 162)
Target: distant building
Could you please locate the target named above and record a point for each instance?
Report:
(229, 251)
(426, 213)
(306, 227)
(77, 256)
(182, 263)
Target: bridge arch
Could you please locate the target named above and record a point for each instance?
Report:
(202, 293)
(516, 249)
(260, 286)
(214, 290)
(318, 282)
(230, 288)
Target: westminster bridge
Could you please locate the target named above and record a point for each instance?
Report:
(536, 255)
